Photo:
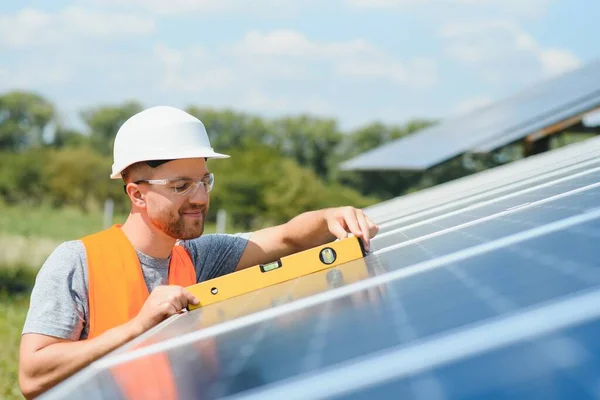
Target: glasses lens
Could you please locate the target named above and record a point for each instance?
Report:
(209, 182)
(190, 186)
(183, 186)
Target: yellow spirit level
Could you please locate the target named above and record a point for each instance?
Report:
(289, 291)
(287, 268)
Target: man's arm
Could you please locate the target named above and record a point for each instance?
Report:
(305, 231)
(45, 361)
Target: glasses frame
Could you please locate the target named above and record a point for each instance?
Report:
(193, 188)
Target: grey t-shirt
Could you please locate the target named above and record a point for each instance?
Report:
(59, 300)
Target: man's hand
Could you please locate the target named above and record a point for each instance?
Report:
(163, 302)
(344, 220)
(309, 229)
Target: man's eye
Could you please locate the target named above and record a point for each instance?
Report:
(180, 187)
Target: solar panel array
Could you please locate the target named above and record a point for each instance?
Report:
(491, 127)
(486, 287)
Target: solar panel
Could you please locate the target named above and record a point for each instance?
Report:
(495, 299)
(492, 182)
(503, 122)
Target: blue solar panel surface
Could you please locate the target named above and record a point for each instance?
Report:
(426, 296)
(492, 126)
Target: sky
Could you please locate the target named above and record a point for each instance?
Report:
(358, 61)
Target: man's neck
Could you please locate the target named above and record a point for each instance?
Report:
(149, 241)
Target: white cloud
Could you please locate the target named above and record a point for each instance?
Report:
(192, 69)
(500, 50)
(356, 58)
(31, 27)
(287, 42)
(200, 8)
(285, 71)
(527, 8)
(556, 61)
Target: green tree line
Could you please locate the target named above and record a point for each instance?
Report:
(279, 167)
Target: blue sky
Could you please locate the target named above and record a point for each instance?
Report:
(358, 61)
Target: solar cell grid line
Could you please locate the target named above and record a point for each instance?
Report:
(450, 347)
(443, 204)
(426, 387)
(442, 228)
(592, 175)
(312, 360)
(502, 304)
(485, 180)
(362, 285)
(517, 371)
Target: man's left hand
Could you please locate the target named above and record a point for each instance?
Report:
(344, 220)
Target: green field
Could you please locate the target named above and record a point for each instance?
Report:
(13, 310)
(27, 236)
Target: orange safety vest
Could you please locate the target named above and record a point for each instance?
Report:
(117, 291)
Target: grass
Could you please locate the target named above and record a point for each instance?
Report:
(13, 310)
(50, 223)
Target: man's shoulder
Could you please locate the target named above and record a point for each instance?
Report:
(67, 255)
(69, 248)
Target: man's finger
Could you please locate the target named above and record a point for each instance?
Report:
(338, 230)
(178, 300)
(352, 223)
(191, 299)
(364, 227)
(373, 228)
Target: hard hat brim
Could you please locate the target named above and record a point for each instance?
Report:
(203, 154)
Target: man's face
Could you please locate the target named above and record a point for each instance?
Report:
(181, 216)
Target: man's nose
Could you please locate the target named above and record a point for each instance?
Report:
(200, 196)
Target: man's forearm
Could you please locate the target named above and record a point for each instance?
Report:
(308, 230)
(56, 362)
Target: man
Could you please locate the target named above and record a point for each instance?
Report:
(95, 294)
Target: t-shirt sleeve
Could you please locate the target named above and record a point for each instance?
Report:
(57, 300)
(216, 255)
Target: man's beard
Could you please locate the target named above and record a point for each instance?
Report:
(177, 226)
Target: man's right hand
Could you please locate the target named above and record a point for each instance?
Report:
(163, 302)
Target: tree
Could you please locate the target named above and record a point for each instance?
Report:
(310, 141)
(228, 129)
(21, 176)
(73, 176)
(104, 121)
(24, 118)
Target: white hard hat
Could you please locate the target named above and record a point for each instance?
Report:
(160, 133)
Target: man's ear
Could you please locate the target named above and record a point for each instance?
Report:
(138, 199)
